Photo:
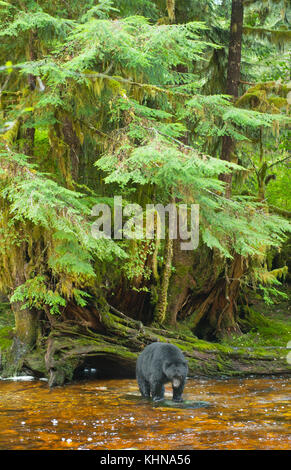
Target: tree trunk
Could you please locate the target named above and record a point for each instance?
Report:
(233, 79)
(181, 281)
(30, 132)
(26, 324)
(205, 290)
(217, 315)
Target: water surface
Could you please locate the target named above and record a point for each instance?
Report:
(251, 413)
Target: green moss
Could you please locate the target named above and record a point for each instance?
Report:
(5, 338)
(184, 329)
(277, 101)
(262, 331)
(6, 327)
(6, 315)
(35, 361)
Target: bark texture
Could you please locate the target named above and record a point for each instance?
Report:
(233, 80)
(216, 317)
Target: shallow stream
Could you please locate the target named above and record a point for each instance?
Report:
(250, 413)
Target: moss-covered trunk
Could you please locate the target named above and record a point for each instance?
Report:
(26, 325)
(181, 281)
(197, 276)
(161, 307)
(216, 316)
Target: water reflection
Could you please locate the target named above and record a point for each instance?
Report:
(247, 413)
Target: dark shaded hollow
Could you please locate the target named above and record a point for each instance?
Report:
(105, 367)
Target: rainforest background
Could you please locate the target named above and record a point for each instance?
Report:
(158, 102)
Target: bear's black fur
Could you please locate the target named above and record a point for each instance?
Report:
(158, 364)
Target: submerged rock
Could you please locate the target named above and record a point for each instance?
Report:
(187, 404)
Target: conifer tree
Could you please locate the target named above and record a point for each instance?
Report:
(109, 98)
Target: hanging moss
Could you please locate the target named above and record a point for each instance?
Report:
(161, 307)
(277, 36)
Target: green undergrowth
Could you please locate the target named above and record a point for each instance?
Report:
(264, 331)
(264, 326)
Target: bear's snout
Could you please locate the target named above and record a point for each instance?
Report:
(176, 382)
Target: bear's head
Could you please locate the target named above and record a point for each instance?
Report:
(176, 372)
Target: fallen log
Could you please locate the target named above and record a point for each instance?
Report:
(113, 350)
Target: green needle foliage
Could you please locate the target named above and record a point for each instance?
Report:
(46, 237)
(106, 98)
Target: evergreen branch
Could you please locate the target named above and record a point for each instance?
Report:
(20, 66)
(131, 82)
(279, 161)
(104, 75)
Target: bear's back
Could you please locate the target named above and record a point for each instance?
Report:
(162, 351)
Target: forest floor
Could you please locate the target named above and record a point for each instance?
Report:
(268, 325)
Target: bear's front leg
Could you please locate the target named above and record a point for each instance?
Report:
(157, 391)
(177, 392)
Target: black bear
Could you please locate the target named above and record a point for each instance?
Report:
(158, 364)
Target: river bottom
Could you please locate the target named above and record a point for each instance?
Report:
(250, 413)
